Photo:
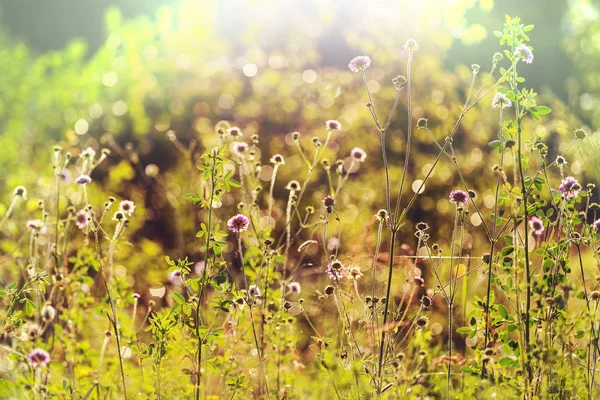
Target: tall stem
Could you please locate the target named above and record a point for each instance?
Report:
(387, 303)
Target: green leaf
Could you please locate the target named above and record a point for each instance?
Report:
(29, 307)
(542, 110)
(508, 362)
(502, 311)
(464, 329)
(179, 299)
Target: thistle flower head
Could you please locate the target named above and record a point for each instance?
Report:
(459, 197)
(38, 358)
(381, 215)
(411, 45)
(569, 187)
(127, 206)
(88, 153)
(83, 179)
(359, 63)
(336, 270)
(501, 101)
(525, 53)
(536, 225)
(358, 154)
(333, 125)
(174, 277)
(560, 160)
(278, 159)
(118, 216)
(294, 287)
(20, 191)
(238, 223)
(82, 218)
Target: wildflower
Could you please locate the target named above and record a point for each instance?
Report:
(238, 223)
(422, 123)
(48, 313)
(127, 206)
(329, 290)
(294, 287)
(29, 331)
(422, 321)
(278, 159)
(501, 101)
(20, 191)
(239, 148)
(411, 45)
(65, 176)
(426, 301)
(199, 267)
(596, 225)
(560, 160)
(399, 81)
(336, 270)
(569, 187)
(118, 216)
(355, 272)
(497, 57)
(81, 218)
(234, 131)
(295, 136)
(174, 277)
(419, 281)
(152, 170)
(458, 197)
(333, 125)
(525, 53)
(422, 226)
(329, 203)
(381, 215)
(254, 291)
(475, 68)
(38, 357)
(88, 153)
(83, 179)
(293, 185)
(35, 224)
(580, 134)
(359, 63)
(358, 154)
(536, 225)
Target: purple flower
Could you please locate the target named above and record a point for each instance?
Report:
(174, 277)
(83, 179)
(333, 125)
(199, 267)
(238, 223)
(459, 197)
(501, 101)
(596, 225)
(82, 218)
(536, 225)
(358, 154)
(294, 287)
(38, 358)
(35, 224)
(65, 176)
(336, 270)
(127, 206)
(359, 63)
(525, 53)
(254, 291)
(569, 187)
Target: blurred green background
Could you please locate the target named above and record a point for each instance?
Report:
(122, 74)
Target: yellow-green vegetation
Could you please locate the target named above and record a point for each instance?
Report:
(185, 219)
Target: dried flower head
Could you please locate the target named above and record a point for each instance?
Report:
(293, 185)
(38, 358)
(83, 179)
(501, 101)
(422, 123)
(497, 57)
(525, 53)
(358, 154)
(475, 68)
(580, 134)
(359, 63)
(459, 197)
(239, 148)
(35, 224)
(88, 153)
(238, 223)
(381, 215)
(48, 313)
(422, 226)
(329, 203)
(278, 159)
(569, 187)
(536, 225)
(118, 216)
(20, 191)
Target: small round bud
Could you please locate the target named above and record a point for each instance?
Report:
(422, 123)
(328, 290)
(295, 136)
(560, 160)
(580, 134)
(497, 57)
(20, 191)
(475, 68)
